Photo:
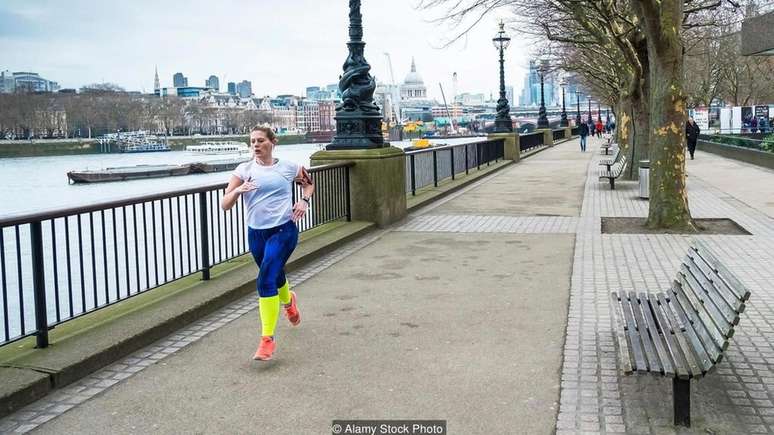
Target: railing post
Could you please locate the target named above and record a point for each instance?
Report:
(435, 170)
(413, 177)
(349, 201)
(205, 235)
(39, 284)
(478, 156)
(466, 159)
(451, 152)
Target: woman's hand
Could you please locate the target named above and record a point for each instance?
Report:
(299, 210)
(245, 187)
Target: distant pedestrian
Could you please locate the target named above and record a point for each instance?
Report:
(754, 125)
(583, 130)
(763, 125)
(266, 186)
(692, 135)
(599, 128)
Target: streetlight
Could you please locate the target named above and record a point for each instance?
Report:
(503, 123)
(563, 122)
(599, 112)
(542, 121)
(358, 119)
(590, 120)
(577, 115)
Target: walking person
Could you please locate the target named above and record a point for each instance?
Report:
(583, 130)
(692, 135)
(266, 187)
(599, 128)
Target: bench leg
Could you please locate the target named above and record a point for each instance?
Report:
(612, 183)
(681, 392)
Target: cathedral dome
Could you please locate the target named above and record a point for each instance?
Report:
(413, 77)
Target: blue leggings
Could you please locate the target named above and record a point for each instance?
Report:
(271, 248)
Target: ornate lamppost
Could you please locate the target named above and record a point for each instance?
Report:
(503, 123)
(599, 112)
(590, 119)
(542, 121)
(563, 122)
(358, 118)
(577, 115)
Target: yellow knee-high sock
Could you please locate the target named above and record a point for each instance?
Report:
(269, 309)
(284, 293)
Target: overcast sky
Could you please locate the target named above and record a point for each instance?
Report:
(281, 46)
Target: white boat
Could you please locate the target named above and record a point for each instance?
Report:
(219, 148)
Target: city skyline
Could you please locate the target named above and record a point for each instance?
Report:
(127, 59)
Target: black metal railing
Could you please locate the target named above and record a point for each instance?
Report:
(433, 165)
(59, 265)
(558, 134)
(575, 131)
(530, 140)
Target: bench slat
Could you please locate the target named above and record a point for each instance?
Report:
(741, 292)
(707, 346)
(680, 336)
(623, 349)
(670, 343)
(702, 319)
(647, 341)
(656, 333)
(709, 274)
(695, 347)
(634, 336)
(716, 296)
(707, 307)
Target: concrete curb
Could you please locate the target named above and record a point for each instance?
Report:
(84, 345)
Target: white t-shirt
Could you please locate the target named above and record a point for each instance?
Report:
(269, 205)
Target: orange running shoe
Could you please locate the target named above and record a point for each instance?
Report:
(265, 349)
(291, 310)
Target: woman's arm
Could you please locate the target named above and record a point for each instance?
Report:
(307, 190)
(236, 186)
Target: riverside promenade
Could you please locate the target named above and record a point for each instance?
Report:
(488, 309)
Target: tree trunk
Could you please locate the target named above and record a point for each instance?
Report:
(668, 196)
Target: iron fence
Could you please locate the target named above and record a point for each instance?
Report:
(530, 140)
(432, 165)
(575, 131)
(558, 134)
(59, 265)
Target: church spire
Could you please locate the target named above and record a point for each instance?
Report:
(156, 84)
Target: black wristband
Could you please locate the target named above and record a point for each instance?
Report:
(306, 200)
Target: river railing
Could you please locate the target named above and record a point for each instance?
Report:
(530, 141)
(425, 167)
(59, 265)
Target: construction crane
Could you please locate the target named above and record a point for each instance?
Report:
(394, 91)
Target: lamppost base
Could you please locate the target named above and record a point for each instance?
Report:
(542, 123)
(503, 126)
(355, 130)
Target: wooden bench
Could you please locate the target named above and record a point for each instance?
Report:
(683, 332)
(609, 162)
(615, 171)
(608, 146)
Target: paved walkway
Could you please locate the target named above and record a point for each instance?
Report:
(488, 309)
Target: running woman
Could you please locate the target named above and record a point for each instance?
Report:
(265, 183)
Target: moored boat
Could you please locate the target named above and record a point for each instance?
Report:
(127, 173)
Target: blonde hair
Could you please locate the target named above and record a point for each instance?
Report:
(267, 131)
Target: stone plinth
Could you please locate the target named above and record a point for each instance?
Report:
(548, 136)
(511, 148)
(377, 182)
